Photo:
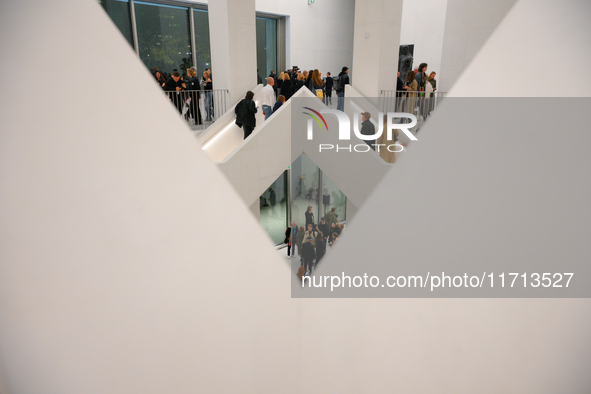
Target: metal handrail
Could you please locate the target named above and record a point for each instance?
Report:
(200, 107)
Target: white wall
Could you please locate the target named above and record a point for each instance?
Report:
(377, 31)
(319, 35)
(423, 23)
(537, 36)
(468, 24)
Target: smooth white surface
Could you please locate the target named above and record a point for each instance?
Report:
(112, 278)
(468, 24)
(423, 24)
(114, 275)
(224, 136)
(376, 43)
(538, 39)
(233, 46)
(319, 36)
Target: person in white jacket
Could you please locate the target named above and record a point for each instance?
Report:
(268, 98)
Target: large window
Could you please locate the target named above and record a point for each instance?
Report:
(118, 11)
(202, 46)
(274, 214)
(305, 176)
(163, 34)
(266, 30)
(332, 196)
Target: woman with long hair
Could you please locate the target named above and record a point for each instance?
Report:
(159, 78)
(411, 93)
(310, 81)
(286, 87)
(280, 82)
(300, 82)
(318, 84)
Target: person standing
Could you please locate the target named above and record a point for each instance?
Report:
(194, 91)
(290, 237)
(330, 217)
(208, 95)
(309, 216)
(433, 83)
(320, 248)
(245, 114)
(174, 85)
(323, 228)
(300, 239)
(268, 99)
(301, 80)
(308, 255)
(286, 87)
(328, 86)
(310, 235)
(344, 80)
(367, 128)
(318, 85)
(400, 88)
(411, 94)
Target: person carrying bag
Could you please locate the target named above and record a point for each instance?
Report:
(245, 114)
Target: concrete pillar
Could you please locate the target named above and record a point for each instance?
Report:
(375, 45)
(232, 31)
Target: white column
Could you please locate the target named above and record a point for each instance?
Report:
(232, 32)
(375, 45)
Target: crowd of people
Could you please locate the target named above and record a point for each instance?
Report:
(312, 239)
(186, 91)
(282, 87)
(288, 82)
(416, 90)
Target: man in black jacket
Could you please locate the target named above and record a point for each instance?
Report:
(400, 87)
(308, 255)
(328, 87)
(174, 85)
(344, 78)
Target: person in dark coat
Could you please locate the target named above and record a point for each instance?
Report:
(208, 95)
(287, 87)
(299, 82)
(245, 114)
(308, 255)
(367, 128)
(174, 85)
(328, 86)
(300, 239)
(344, 78)
(320, 248)
(309, 216)
(194, 91)
(290, 238)
(279, 103)
(323, 228)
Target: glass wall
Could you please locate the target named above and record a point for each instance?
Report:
(118, 11)
(202, 46)
(163, 36)
(266, 31)
(304, 186)
(274, 213)
(332, 196)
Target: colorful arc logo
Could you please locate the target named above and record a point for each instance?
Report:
(315, 118)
